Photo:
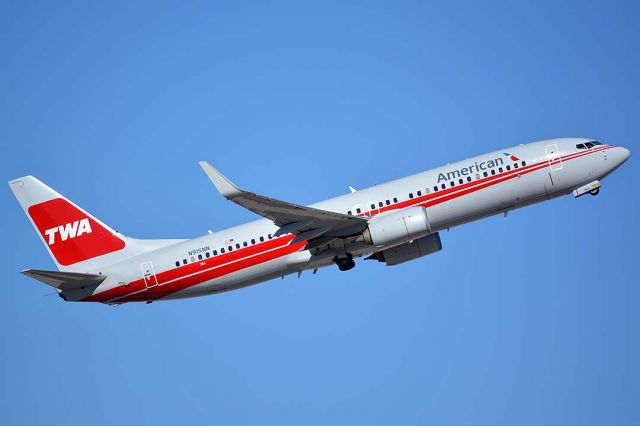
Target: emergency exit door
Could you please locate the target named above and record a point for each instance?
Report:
(553, 157)
(148, 274)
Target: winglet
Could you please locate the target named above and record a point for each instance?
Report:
(227, 188)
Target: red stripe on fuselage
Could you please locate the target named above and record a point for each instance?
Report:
(182, 277)
(227, 262)
(212, 273)
(437, 197)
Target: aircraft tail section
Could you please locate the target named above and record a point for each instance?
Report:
(76, 240)
(65, 280)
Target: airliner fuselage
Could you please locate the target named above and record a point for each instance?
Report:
(392, 222)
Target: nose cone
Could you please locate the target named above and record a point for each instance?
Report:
(618, 156)
(624, 154)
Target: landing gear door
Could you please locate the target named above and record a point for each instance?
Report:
(148, 274)
(553, 157)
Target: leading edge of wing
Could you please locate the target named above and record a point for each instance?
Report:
(280, 212)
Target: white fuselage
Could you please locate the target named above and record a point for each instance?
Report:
(451, 195)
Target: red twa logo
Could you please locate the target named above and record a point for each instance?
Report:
(72, 236)
(70, 230)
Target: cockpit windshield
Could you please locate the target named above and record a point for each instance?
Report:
(588, 145)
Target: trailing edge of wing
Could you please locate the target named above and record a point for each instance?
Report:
(296, 218)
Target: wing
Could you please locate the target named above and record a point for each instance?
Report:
(306, 222)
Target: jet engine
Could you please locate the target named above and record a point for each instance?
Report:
(397, 228)
(409, 251)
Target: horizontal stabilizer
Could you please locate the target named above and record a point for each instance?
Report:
(65, 280)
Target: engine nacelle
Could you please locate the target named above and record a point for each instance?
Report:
(409, 251)
(398, 227)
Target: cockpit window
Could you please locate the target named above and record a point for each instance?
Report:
(596, 143)
(589, 144)
(581, 146)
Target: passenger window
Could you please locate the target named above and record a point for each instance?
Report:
(199, 257)
(524, 163)
(468, 178)
(452, 184)
(270, 236)
(515, 165)
(244, 243)
(184, 261)
(358, 210)
(508, 167)
(373, 206)
(485, 174)
(443, 186)
(419, 193)
(380, 204)
(493, 172)
(500, 169)
(349, 213)
(460, 181)
(478, 175)
(222, 250)
(388, 202)
(395, 200)
(253, 240)
(215, 252)
(237, 245)
(435, 188)
(426, 191)
(230, 248)
(207, 255)
(261, 239)
(411, 195)
(178, 263)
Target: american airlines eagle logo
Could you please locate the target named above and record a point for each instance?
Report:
(69, 230)
(511, 156)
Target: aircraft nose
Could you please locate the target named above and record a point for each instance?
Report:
(625, 154)
(619, 155)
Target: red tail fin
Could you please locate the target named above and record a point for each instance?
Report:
(71, 234)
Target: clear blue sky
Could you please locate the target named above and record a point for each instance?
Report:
(530, 320)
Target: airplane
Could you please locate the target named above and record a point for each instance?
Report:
(393, 223)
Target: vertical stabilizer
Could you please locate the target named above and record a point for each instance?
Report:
(71, 235)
